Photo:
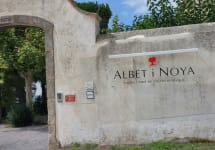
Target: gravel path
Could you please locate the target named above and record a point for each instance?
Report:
(27, 138)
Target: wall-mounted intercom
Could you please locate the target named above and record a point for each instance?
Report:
(59, 97)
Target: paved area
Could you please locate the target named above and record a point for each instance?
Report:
(27, 138)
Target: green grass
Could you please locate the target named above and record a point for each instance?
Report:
(161, 145)
(83, 147)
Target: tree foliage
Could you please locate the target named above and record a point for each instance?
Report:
(23, 49)
(195, 11)
(143, 22)
(116, 26)
(167, 13)
(162, 13)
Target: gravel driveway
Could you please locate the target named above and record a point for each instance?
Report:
(27, 138)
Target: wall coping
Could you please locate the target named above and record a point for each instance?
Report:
(94, 15)
(204, 27)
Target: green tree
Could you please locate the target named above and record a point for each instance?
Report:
(143, 22)
(195, 11)
(22, 49)
(103, 10)
(105, 13)
(116, 26)
(166, 13)
(162, 13)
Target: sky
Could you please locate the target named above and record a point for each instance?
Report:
(125, 9)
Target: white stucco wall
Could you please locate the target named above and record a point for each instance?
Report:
(149, 108)
(146, 109)
(126, 111)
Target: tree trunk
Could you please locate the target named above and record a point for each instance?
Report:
(28, 76)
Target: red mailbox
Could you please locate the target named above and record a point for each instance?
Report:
(70, 98)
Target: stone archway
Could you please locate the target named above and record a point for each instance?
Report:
(21, 20)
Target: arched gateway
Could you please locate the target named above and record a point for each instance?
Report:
(22, 20)
(124, 88)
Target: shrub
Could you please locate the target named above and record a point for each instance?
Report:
(40, 106)
(20, 115)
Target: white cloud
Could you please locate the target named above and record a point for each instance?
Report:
(139, 6)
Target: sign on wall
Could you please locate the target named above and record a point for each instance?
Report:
(152, 71)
